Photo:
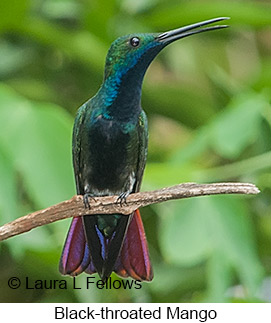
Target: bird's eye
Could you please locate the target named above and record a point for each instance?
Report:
(134, 41)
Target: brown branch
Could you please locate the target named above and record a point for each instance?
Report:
(108, 205)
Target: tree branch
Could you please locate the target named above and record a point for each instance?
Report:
(108, 205)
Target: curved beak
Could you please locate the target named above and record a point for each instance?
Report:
(172, 35)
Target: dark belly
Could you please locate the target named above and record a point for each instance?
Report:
(108, 162)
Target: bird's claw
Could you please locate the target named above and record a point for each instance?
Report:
(86, 200)
(122, 198)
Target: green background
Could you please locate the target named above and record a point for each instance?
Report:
(207, 98)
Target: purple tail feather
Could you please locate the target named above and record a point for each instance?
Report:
(75, 256)
(133, 260)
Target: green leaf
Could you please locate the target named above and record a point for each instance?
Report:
(165, 174)
(194, 230)
(170, 15)
(179, 220)
(12, 12)
(82, 46)
(198, 144)
(233, 233)
(98, 16)
(182, 102)
(13, 58)
(172, 282)
(38, 138)
(219, 277)
(238, 125)
(8, 190)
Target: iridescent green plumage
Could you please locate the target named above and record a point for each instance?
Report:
(110, 141)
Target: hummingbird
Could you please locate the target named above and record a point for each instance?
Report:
(109, 146)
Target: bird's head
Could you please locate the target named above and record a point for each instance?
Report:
(136, 51)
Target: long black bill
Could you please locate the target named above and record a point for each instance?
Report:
(170, 36)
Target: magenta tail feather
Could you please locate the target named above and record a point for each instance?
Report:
(75, 256)
(133, 260)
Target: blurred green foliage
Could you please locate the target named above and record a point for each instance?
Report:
(208, 102)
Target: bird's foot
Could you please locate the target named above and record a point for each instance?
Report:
(122, 198)
(86, 198)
